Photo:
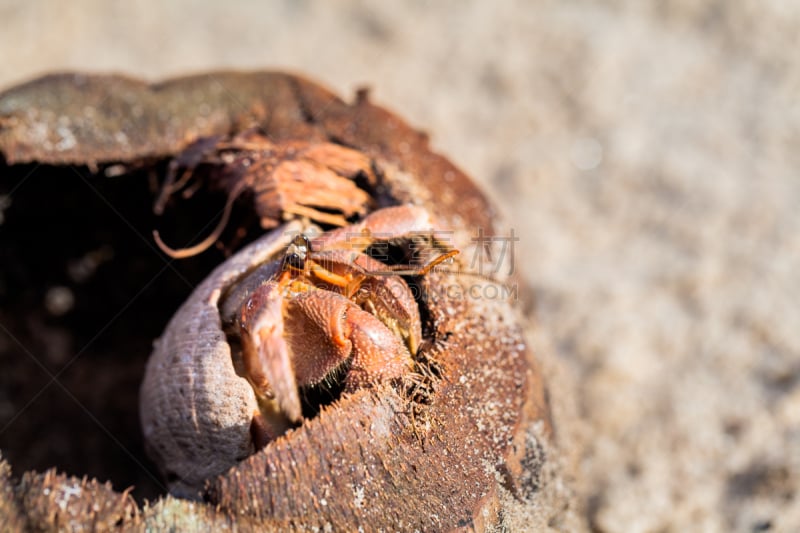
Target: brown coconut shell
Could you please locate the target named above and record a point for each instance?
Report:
(373, 459)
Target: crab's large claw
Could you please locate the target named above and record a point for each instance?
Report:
(335, 330)
(316, 334)
(267, 361)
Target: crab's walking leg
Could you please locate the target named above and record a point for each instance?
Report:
(265, 352)
(384, 224)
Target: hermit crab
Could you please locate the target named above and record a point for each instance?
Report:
(319, 310)
(327, 305)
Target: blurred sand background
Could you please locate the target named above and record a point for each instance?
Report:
(646, 154)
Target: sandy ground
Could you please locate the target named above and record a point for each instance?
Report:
(646, 154)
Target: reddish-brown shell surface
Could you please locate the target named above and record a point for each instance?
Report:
(369, 460)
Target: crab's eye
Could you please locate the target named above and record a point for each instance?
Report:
(299, 245)
(301, 241)
(296, 253)
(295, 260)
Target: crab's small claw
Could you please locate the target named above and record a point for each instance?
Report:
(265, 353)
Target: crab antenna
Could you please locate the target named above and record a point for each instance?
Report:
(409, 270)
(444, 257)
(206, 243)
